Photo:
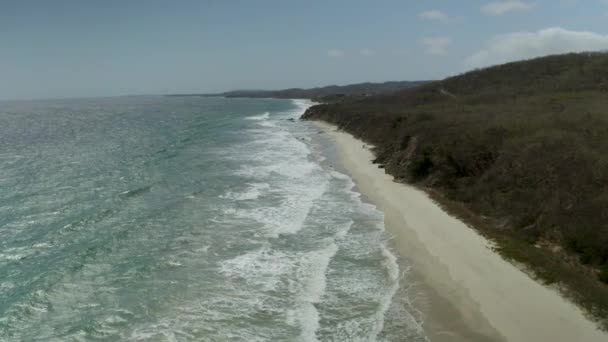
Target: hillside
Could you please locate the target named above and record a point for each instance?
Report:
(333, 93)
(519, 150)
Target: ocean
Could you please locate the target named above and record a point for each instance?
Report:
(153, 218)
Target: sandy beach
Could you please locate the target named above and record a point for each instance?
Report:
(466, 291)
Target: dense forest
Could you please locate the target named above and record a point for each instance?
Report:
(519, 149)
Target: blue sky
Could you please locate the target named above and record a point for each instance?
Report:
(71, 48)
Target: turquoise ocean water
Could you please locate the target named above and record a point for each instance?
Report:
(187, 219)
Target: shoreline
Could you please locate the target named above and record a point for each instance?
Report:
(466, 291)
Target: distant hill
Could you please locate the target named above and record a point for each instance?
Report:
(331, 93)
(520, 148)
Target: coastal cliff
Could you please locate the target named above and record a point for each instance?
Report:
(518, 150)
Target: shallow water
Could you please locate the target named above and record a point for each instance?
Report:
(185, 218)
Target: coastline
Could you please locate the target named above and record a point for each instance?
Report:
(466, 291)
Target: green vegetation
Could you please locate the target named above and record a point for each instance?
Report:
(523, 145)
(422, 166)
(604, 274)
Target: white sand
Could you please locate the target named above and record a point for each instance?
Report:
(482, 296)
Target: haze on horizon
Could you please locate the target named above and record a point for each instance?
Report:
(69, 48)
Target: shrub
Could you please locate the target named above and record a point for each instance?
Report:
(422, 166)
(603, 275)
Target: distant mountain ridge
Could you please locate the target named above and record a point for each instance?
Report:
(332, 93)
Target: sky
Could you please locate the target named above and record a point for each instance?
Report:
(78, 48)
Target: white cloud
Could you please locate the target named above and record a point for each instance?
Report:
(434, 15)
(524, 45)
(503, 7)
(367, 52)
(436, 45)
(335, 53)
